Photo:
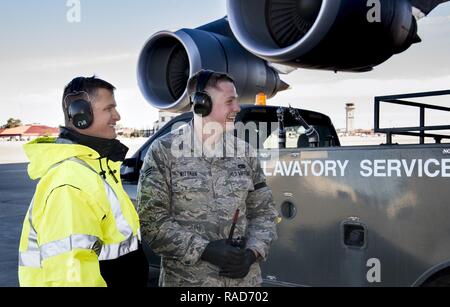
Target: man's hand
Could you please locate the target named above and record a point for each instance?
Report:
(222, 254)
(240, 242)
(240, 270)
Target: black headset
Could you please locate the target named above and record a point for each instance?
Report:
(200, 99)
(79, 111)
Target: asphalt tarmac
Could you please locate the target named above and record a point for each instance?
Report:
(16, 191)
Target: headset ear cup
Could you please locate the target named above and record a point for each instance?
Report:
(80, 113)
(81, 121)
(202, 104)
(201, 100)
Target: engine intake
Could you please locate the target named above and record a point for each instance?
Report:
(168, 59)
(323, 34)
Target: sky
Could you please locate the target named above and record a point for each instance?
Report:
(41, 51)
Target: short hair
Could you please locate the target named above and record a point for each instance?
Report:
(90, 85)
(213, 81)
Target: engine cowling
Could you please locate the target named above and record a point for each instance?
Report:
(337, 35)
(168, 59)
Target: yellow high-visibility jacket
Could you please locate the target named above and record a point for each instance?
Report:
(77, 216)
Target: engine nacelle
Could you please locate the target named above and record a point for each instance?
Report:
(324, 34)
(168, 59)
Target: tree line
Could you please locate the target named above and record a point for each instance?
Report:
(11, 123)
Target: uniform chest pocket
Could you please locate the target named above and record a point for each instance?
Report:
(241, 183)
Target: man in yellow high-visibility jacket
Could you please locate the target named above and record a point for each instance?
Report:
(81, 228)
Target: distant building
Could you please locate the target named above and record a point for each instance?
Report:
(28, 132)
(126, 132)
(164, 118)
(350, 117)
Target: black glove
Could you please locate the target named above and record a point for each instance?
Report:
(223, 254)
(240, 270)
(238, 242)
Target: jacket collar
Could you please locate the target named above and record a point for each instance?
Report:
(113, 149)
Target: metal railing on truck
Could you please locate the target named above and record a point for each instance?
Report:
(412, 131)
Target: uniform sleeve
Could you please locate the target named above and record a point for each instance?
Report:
(68, 233)
(261, 213)
(163, 233)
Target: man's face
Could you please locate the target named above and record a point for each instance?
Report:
(224, 105)
(105, 116)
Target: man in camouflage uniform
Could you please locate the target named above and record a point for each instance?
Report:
(186, 202)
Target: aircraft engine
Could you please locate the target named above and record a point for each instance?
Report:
(168, 59)
(338, 35)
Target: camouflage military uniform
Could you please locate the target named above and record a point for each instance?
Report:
(186, 202)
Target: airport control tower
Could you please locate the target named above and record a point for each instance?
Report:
(350, 117)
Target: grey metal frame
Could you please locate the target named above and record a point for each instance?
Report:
(397, 99)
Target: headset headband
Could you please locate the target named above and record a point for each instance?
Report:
(203, 79)
(76, 86)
